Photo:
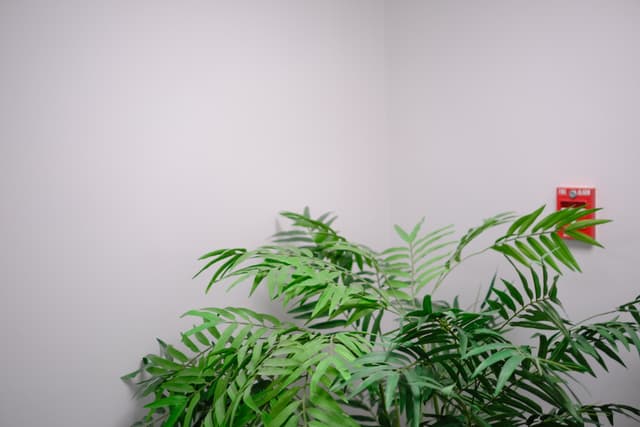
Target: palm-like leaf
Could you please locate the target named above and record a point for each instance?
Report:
(440, 366)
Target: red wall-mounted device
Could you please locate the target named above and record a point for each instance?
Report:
(570, 197)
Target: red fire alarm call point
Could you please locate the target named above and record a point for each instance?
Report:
(569, 197)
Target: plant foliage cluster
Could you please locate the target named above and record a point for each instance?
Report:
(439, 365)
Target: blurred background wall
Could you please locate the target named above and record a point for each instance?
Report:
(493, 104)
(136, 135)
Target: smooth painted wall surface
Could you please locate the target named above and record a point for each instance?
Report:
(137, 135)
(494, 104)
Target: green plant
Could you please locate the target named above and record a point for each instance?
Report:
(438, 365)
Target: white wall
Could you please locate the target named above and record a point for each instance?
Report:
(135, 136)
(495, 103)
